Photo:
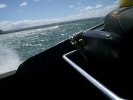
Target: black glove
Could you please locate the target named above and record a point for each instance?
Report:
(97, 44)
(77, 40)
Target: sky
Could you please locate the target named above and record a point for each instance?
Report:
(23, 13)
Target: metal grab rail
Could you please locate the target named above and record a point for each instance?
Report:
(91, 79)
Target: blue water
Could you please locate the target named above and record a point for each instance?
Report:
(17, 47)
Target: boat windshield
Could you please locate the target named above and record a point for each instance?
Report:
(28, 27)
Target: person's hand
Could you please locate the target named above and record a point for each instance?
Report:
(77, 40)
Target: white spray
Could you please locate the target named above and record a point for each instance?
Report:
(9, 60)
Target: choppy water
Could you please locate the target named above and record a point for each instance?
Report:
(17, 47)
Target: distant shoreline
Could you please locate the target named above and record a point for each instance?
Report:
(48, 25)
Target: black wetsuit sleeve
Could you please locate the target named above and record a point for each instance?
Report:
(120, 21)
(126, 20)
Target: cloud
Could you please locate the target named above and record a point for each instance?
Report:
(23, 4)
(88, 13)
(97, 10)
(86, 9)
(98, 6)
(9, 25)
(2, 5)
(71, 6)
(116, 2)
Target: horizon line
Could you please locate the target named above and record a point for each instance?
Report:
(48, 25)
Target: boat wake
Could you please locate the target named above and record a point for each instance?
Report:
(9, 60)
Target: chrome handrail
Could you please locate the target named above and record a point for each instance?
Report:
(91, 79)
